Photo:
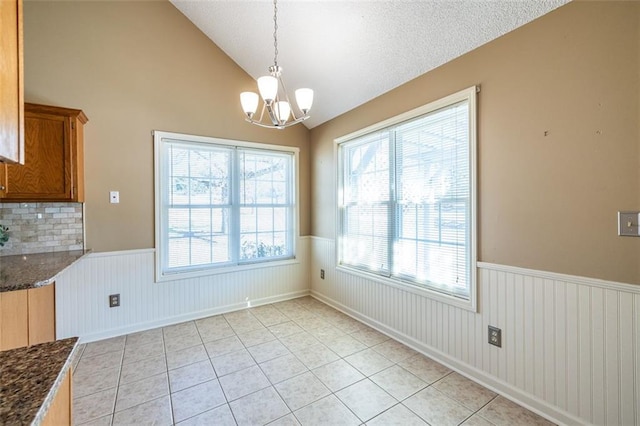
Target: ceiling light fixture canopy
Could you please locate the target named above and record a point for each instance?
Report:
(274, 94)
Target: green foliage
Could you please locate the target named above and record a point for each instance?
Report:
(4, 235)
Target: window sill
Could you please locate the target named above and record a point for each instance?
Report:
(469, 305)
(177, 276)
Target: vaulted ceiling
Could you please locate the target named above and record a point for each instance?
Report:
(350, 52)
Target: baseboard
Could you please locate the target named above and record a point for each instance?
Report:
(115, 332)
(537, 406)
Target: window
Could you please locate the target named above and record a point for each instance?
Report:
(407, 199)
(221, 204)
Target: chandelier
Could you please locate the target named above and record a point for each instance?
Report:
(274, 95)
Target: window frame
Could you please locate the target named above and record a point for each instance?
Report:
(469, 95)
(160, 185)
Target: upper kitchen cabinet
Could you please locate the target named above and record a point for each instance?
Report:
(11, 82)
(54, 158)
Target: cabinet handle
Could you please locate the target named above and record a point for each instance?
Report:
(2, 188)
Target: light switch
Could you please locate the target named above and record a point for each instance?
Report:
(114, 197)
(628, 224)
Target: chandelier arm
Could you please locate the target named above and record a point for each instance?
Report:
(271, 126)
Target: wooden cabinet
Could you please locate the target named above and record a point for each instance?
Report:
(14, 319)
(11, 82)
(60, 410)
(54, 157)
(27, 317)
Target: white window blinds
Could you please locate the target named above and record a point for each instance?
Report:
(406, 205)
(221, 205)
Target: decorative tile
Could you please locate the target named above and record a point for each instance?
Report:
(186, 356)
(181, 329)
(338, 375)
(394, 351)
(155, 412)
(259, 408)
(344, 345)
(476, 420)
(285, 329)
(315, 356)
(190, 375)
(256, 337)
(397, 415)
(230, 363)
(302, 390)
(139, 370)
(144, 338)
(220, 416)
(398, 382)
(296, 342)
(94, 406)
(288, 420)
(425, 368)
(243, 382)
(95, 363)
(268, 315)
(327, 334)
(100, 347)
(214, 330)
(436, 408)
(136, 393)
(196, 400)
(266, 351)
(466, 392)
(138, 353)
(182, 342)
(369, 336)
(501, 411)
(100, 421)
(327, 411)
(368, 362)
(349, 325)
(223, 346)
(283, 368)
(87, 382)
(366, 399)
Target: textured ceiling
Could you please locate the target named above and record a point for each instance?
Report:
(350, 52)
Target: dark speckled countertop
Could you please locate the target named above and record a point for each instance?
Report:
(30, 378)
(24, 271)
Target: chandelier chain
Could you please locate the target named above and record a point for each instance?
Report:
(275, 32)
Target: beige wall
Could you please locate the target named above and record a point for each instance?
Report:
(134, 67)
(545, 202)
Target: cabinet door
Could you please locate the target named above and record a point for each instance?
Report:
(14, 332)
(42, 314)
(47, 171)
(11, 82)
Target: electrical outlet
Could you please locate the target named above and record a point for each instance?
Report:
(495, 336)
(322, 274)
(114, 300)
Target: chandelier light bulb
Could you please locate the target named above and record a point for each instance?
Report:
(304, 99)
(249, 101)
(283, 109)
(268, 87)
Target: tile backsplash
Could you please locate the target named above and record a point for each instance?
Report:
(42, 227)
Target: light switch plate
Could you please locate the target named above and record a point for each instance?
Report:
(628, 224)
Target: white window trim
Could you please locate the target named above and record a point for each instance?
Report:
(160, 276)
(470, 95)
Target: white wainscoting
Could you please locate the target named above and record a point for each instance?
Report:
(82, 293)
(570, 345)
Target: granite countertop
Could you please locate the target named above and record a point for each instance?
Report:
(30, 378)
(24, 271)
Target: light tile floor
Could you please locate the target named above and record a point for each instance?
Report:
(289, 363)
